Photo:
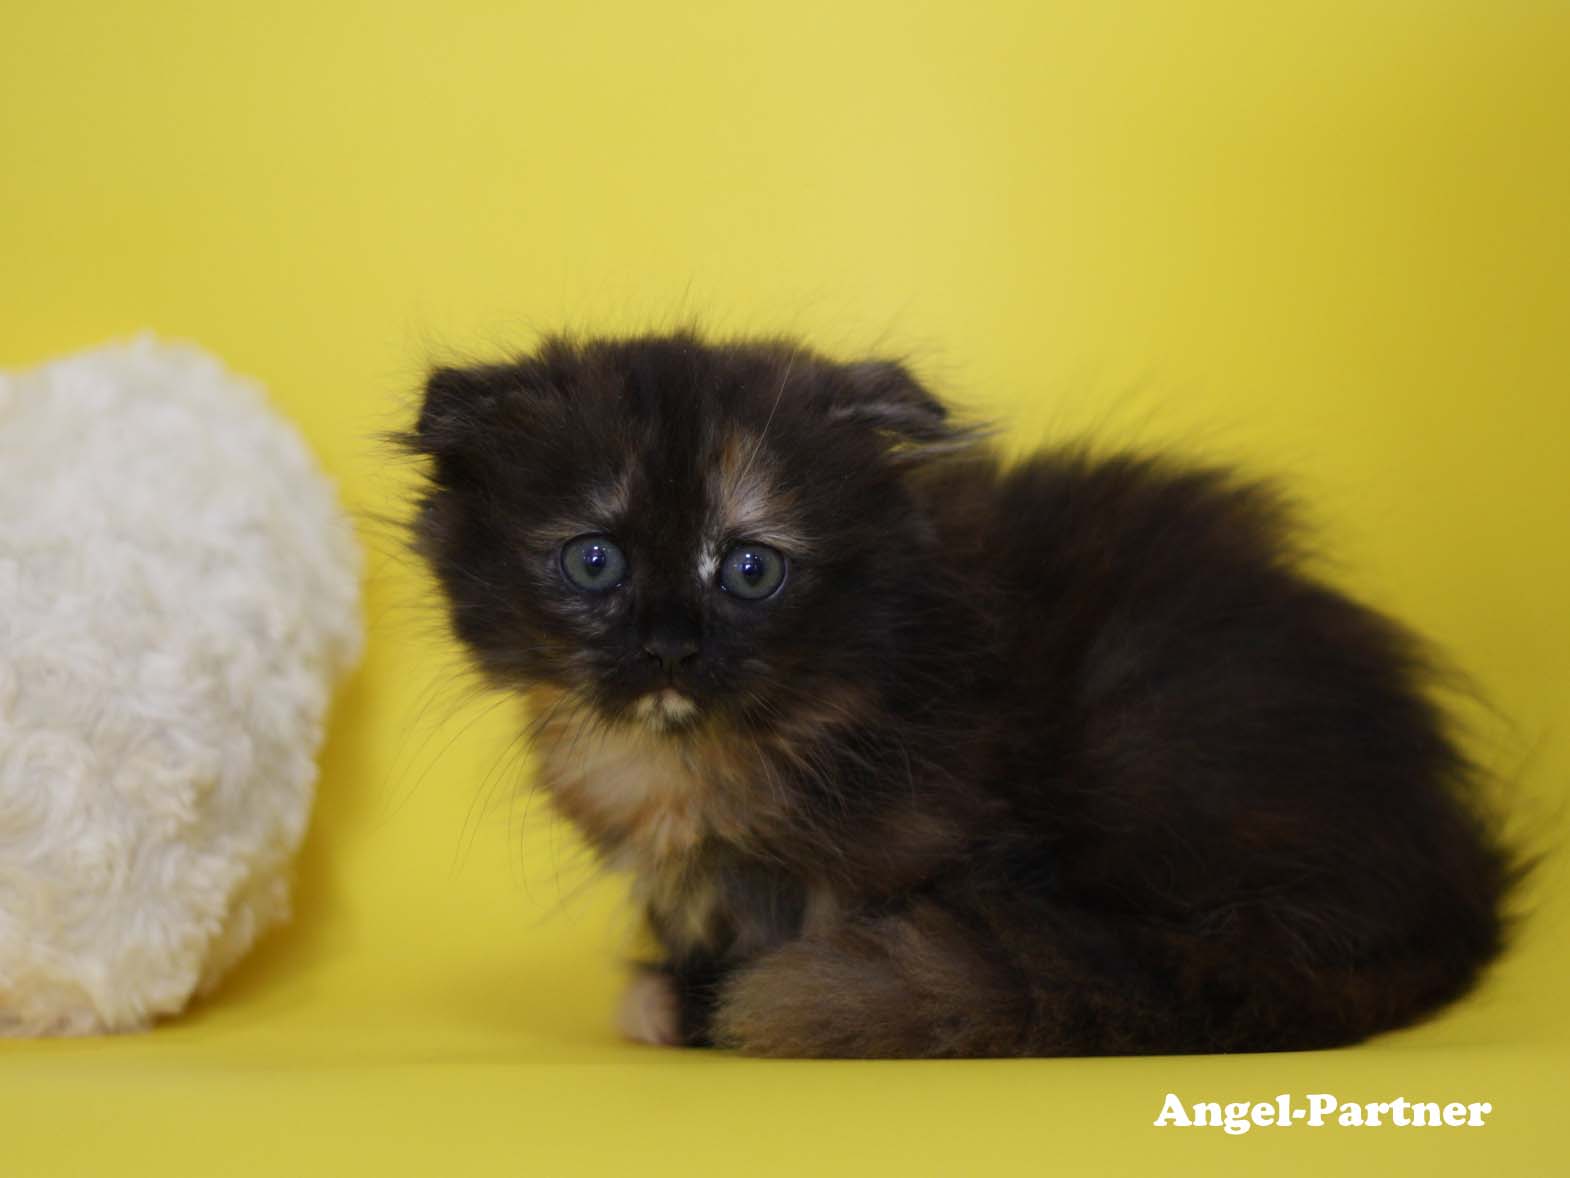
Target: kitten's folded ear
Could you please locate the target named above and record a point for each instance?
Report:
(459, 404)
(884, 396)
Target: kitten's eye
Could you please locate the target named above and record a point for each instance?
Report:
(752, 571)
(593, 563)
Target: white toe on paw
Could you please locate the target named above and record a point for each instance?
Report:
(648, 1011)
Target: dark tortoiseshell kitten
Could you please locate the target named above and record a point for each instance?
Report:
(914, 753)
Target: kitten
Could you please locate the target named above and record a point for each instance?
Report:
(911, 752)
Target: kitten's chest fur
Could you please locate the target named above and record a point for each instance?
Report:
(670, 814)
(642, 801)
(647, 810)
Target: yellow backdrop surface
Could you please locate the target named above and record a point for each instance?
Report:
(1326, 239)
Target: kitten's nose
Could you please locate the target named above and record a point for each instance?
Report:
(672, 649)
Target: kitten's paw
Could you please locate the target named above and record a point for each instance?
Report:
(648, 1011)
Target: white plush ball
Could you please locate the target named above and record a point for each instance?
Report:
(178, 598)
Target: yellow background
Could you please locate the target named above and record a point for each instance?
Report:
(1327, 239)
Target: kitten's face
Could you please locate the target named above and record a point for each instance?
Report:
(677, 535)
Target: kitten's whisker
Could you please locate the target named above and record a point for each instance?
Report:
(757, 446)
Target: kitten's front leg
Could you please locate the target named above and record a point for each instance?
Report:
(650, 1011)
(672, 1005)
(725, 912)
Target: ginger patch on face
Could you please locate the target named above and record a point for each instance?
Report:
(747, 501)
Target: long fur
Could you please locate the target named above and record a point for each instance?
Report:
(1065, 756)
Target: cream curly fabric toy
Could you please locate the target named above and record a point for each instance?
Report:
(178, 597)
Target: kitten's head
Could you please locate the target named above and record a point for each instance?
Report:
(676, 534)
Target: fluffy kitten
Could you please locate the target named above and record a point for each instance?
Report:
(914, 753)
